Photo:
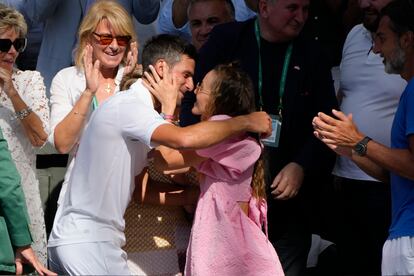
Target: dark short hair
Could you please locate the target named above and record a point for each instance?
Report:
(167, 47)
(401, 14)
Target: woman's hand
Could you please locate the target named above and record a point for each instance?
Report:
(165, 89)
(91, 69)
(132, 58)
(6, 82)
(26, 255)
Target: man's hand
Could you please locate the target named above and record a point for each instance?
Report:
(26, 255)
(91, 69)
(259, 122)
(337, 132)
(132, 58)
(287, 183)
(165, 89)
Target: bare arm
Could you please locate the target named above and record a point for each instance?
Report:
(343, 132)
(205, 134)
(371, 168)
(159, 193)
(68, 131)
(32, 124)
(171, 159)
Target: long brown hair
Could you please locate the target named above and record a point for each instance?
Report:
(233, 94)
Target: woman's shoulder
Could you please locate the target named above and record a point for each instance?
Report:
(69, 76)
(26, 74)
(27, 78)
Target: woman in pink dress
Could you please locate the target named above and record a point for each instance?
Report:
(227, 236)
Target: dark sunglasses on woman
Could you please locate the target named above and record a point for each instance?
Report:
(19, 44)
(106, 39)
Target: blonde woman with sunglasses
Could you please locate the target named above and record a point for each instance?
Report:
(24, 118)
(107, 50)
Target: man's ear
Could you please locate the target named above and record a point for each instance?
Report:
(160, 67)
(407, 40)
(262, 8)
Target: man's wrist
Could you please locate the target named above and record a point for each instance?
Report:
(169, 110)
(242, 122)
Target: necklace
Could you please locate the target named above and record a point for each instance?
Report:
(108, 88)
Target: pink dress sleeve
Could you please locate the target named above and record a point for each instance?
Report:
(230, 158)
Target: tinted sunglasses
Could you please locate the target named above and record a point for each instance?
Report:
(106, 39)
(19, 44)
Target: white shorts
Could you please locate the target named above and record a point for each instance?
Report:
(95, 258)
(398, 256)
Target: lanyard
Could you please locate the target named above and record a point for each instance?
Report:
(282, 84)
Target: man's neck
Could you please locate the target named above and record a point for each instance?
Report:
(408, 72)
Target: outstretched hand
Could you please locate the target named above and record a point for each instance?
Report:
(336, 132)
(132, 58)
(91, 69)
(165, 89)
(26, 255)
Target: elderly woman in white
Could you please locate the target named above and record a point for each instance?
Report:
(24, 117)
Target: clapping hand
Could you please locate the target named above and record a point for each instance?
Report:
(132, 58)
(91, 69)
(6, 82)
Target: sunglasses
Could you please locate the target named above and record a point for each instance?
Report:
(106, 39)
(19, 44)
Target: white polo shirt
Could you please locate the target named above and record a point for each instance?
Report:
(113, 149)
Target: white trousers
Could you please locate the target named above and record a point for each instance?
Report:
(398, 256)
(95, 258)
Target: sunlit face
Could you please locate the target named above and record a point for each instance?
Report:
(7, 59)
(387, 44)
(371, 10)
(183, 72)
(284, 18)
(110, 56)
(203, 16)
(203, 94)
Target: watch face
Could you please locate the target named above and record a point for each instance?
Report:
(360, 149)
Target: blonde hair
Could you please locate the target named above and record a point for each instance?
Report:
(11, 18)
(117, 17)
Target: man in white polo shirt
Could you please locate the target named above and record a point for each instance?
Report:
(87, 235)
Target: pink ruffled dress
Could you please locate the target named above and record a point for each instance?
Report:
(224, 240)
